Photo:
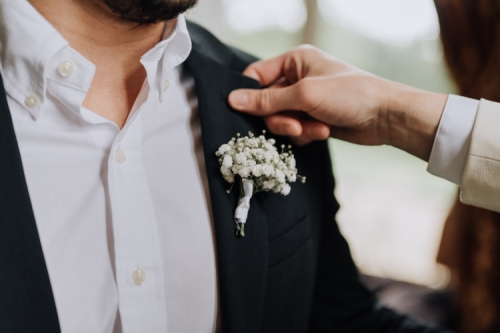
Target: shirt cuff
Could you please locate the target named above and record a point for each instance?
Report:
(452, 143)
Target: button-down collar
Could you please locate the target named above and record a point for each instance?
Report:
(36, 63)
(172, 51)
(25, 55)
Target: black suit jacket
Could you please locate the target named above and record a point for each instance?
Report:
(293, 271)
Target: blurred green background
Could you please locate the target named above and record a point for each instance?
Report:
(393, 211)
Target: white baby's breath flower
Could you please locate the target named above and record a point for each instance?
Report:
(286, 189)
(224, 149)
(292, 177)
(269, 147)
(268, 156)
(257, 170)
(244, 172)
(229, 178)
(258, 160)
(262, 154)
(268, 169)
(227, 174)
(225, 171)
(258, 165)
(280, 176)
(241, 158)
(227, 162)
(236, 169)
(269, 185)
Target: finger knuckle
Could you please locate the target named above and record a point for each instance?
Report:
(305, 47)
(308, 50)
(264, 103)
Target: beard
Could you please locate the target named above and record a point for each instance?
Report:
(149, 11)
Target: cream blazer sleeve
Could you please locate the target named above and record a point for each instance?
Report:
(481, 177)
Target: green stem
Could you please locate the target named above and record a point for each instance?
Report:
(240, 230)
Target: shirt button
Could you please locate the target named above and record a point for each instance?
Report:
(139, 276)
(120, 156)
(66, 68)
(32, 100)
(166, 85)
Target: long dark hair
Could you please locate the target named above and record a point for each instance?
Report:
(470, 32)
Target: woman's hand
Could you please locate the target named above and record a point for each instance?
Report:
(310, 96)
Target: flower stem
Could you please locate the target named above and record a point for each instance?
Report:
(240, 230)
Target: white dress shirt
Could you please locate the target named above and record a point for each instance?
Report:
(123, 215)
(453, 139)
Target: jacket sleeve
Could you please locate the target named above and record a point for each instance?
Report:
(481, 177)
(342, 304)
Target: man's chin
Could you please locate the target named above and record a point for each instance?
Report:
(149, 11)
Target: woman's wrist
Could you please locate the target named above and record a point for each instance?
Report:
(413, 119)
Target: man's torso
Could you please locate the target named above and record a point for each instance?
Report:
(123, 214)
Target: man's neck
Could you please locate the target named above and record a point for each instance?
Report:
(114, 46)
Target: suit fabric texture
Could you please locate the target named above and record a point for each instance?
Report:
(480, 181)
(293, 271)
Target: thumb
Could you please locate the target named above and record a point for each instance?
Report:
(264, 102)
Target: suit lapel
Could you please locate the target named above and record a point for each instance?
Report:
(27, 303)
(242, 262)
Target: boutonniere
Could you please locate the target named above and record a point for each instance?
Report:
(257, 165)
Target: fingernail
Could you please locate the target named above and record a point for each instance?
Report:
(238, 99)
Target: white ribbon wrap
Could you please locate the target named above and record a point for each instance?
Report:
(241, 214)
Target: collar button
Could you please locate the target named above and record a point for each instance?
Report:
(66, 69)
(32, 100)
(166, 85)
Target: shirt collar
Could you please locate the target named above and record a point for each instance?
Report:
(27, 43)
(172, 51)
(31, 51)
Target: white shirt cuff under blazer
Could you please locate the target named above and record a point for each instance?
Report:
(467, 150)
(453, 138)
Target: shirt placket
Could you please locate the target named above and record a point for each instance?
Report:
(138, 268)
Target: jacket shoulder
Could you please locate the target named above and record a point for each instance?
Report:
(218, 51)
